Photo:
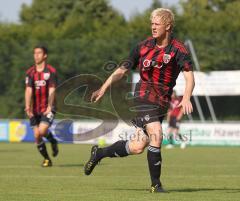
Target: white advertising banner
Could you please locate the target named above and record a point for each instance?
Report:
(193, 133)
(211, 134)
(121, 132)
(214, 83)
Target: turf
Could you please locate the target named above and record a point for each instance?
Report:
(196, 173)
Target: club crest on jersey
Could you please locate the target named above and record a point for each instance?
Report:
(166, 58)
(46, 76)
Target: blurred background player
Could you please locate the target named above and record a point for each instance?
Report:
(159, 59)
(41, 81)
(174, 116)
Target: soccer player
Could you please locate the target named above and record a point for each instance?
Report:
(159, 59)
(174, 117)
(41, 81)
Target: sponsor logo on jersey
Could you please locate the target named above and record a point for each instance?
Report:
(40, 83)
(147, 63)
(151, 63)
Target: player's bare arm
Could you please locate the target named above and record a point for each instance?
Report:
(114, 77)
(189, 86)
(28, 98)
(51, 98)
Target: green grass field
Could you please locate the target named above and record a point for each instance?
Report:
(193, 174)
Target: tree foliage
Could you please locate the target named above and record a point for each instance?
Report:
(213, 27)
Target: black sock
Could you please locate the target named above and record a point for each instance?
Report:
(154, 163)
(180, 137)
(43, 150)
(171, 138)
(118, 149)
(50, 138)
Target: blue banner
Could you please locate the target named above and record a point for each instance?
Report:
(4, 131)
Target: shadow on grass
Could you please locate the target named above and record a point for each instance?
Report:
(131, 189)
(12, 150)
(186, 190)
(76, 165)
(70, 165)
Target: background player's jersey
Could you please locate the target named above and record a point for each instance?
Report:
(159, 69)
(40, 83)
(174, 110)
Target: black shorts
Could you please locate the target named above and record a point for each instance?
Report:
(37, 119)
(148, 113)
(173, 123)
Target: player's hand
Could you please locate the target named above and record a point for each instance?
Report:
(48, 110)
(186, 106)
(96, 95)
(29, 112)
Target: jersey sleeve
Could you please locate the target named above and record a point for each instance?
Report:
(53, 79)
(133, 58)
(184, 61)
(29, 80)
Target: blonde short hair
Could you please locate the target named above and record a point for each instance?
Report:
(165, 14)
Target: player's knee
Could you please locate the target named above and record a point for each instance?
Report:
(36, 134)
(137, 149)
(42, 133)
(37, 137)
(155, 137)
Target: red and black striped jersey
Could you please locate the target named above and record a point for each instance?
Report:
(158, 68)
(40, 82)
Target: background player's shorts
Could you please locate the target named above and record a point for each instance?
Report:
(173, 122)
(37, 119)
(147, 114)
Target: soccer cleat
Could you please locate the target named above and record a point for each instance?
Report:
(157, 189)
(93, 161)
(183, 145)
(54, 148)
(47, 163)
